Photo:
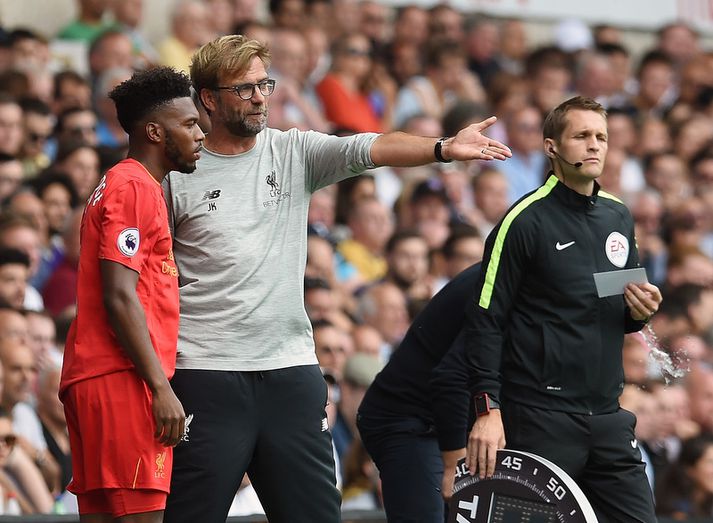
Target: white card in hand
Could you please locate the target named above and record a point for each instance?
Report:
(614, 282)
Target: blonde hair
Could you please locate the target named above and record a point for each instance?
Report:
(227, 54)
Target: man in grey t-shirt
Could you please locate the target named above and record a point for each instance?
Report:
(247, 373)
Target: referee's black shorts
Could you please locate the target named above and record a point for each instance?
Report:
(599, 452)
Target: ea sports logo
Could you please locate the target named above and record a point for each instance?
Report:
(128, 241)
(617, 249)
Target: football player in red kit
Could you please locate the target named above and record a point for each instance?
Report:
(122, 414)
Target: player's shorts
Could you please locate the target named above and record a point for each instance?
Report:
(121, 502)
(111, 434)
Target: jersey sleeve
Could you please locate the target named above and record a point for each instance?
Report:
(448, 386)
(630, 324)
(505, 260)
(127, 226)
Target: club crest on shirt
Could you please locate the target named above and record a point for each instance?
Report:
(277, 195)
(617, 249)
(128, 241)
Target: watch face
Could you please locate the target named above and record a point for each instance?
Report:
(525, 488)
(482, 406)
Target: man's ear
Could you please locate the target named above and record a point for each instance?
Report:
(207, 97)
(154, 132)
(549, 146)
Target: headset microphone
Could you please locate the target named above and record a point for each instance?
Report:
(576, 165)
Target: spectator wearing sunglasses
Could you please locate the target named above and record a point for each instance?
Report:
(38, 123)
(344, 93)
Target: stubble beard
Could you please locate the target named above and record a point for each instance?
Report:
(173, 153)
(239, 125)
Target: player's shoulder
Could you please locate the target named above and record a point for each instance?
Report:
(610, 200)
(615, 204)
(127, 179)
(129, 170)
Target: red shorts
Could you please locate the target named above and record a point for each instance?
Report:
(121, 502)
(111, 434)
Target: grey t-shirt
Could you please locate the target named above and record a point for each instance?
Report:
(240, 243)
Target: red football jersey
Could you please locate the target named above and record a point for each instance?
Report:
(126, 222)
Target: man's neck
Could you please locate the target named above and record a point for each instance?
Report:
(153, 168)
(584, 187)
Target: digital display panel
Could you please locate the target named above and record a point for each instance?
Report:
(508, 509)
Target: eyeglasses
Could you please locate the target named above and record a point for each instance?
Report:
(332, 350)
(36, 137)
(245, 91)
(78, 131)
(8, 440)
(352, 51)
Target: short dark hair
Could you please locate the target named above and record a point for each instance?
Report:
(35, 106)
(401, 236)
(556, 121)
(652, 58)
(439, 49)
(66, 113)
(610, 49)
(51, 177)
(462, 112)
(66, 148)
(146, 91)
(458, 233)
(66, 76)
(22, 33)
(13, 256)
(99, 40)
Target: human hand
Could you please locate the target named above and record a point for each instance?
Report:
(169, 416)
(486, 437)
(471, 144)
(643, 300)
(450, 460)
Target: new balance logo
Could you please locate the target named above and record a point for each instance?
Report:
(562, 246)
(211, 195)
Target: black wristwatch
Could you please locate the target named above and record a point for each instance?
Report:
(484, 404)
(438, 151)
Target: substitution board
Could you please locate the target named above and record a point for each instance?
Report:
(525, 488)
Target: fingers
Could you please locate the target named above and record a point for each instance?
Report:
(486, 123)
(482, 450)
(172, 432)
(170, 427)
(490, 462)
(159, 429)
(495, 151)
(471, 456)
(643, 299)
(483, 460)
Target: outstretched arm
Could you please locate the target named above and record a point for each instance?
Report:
(405, 150)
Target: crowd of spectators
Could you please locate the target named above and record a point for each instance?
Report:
(382, 244)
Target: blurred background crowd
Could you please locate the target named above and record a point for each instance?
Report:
(382, 244)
